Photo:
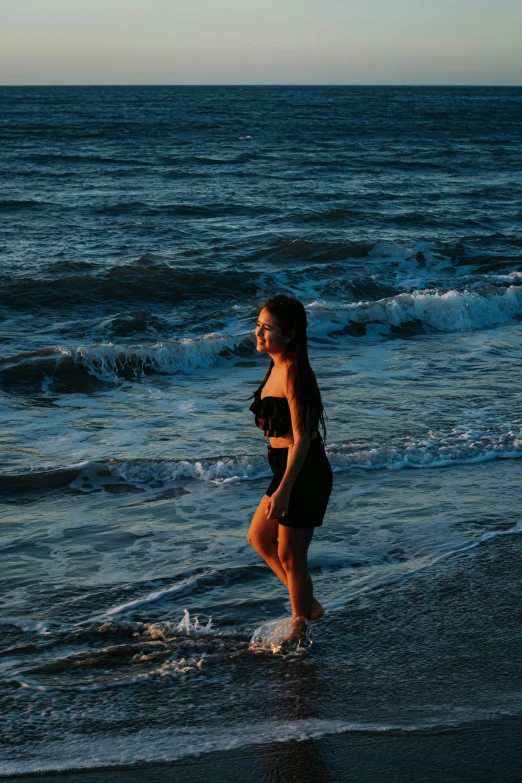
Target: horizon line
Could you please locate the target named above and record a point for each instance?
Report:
(233, 84)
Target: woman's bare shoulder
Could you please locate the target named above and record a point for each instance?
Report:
(290, 380)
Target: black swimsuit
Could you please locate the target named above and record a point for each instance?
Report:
(311, 490)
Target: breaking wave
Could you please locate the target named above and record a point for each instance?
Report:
(460, 445)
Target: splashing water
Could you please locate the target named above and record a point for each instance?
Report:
(165, 630)
(282, 636)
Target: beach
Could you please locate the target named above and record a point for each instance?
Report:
(143, 228)
(477, 754)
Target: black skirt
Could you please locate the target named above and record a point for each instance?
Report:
(311, 491)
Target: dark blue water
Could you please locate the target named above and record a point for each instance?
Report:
(140, 229)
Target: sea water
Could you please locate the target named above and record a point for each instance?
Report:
(141, 229)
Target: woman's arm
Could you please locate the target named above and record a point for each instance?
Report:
(297, 455)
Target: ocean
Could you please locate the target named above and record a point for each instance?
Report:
(140, 230)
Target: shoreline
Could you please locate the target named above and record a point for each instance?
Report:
(479, 753)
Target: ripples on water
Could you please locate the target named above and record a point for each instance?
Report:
(140, 229)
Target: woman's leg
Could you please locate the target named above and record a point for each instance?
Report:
(293, 556)
(262, 535)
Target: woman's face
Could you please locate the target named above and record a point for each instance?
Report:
(269, 337)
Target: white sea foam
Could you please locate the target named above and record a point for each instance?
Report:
(220, 470)
(109, 362)
(509, 277)
(459, 445)
(463, 444)
(185, 586)
(171, 744)
(446, 311)
(170, 668)
(449, 311)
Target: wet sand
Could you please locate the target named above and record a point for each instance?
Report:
(480, 753)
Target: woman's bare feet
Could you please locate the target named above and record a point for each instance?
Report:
(298, 630)
(317, 609)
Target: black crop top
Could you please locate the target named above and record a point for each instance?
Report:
(272, 415)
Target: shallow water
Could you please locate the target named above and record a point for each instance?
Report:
(141, 229)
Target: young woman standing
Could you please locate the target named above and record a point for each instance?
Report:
(288, 408)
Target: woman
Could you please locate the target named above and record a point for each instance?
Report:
(288, 408)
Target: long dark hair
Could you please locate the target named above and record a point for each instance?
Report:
(291, 318)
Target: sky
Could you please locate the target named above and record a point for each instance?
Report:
(430, 42)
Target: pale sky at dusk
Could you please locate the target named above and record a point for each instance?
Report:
(253, 42)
